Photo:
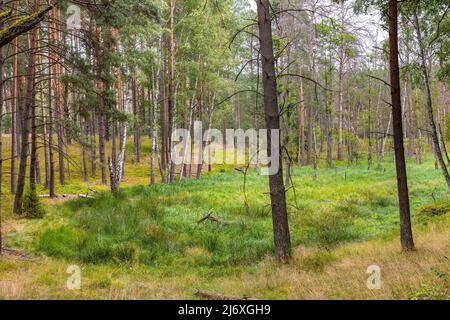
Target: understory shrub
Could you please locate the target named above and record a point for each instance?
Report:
(317, 261)
(433, 210)
(32, 207)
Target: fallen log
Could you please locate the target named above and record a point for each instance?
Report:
(47, 196)
(218, 296)
(85, 196)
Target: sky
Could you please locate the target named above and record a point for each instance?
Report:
(371, 21)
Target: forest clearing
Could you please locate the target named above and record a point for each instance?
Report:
(224, 150)
(147, 243)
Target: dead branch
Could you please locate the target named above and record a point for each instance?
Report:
(212, 218)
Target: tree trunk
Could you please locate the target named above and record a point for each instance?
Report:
(101, 118)
(163, 112)
(136, 133)
(277, 189)
(93, 140)
(115, 171)
(340, 112)
(51, 183)
(26, 114)
(14, 109)
(44, 123)
(85, 132)
(2, 69)
(172, 98)
(429, 104)
(403, 193)
(60, 101)
(301, 119)
(154, 126)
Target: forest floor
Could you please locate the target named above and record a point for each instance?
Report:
(151, 243)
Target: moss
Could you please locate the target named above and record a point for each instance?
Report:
(22, 24)
(5, 14)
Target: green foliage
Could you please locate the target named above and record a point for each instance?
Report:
(159, 226)
(61, 242)
(328, 228)
(32, 207)
(437, 289)
(318, 261)
(428, 293)
(437, 209)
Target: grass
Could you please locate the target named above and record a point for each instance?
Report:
(146, 242)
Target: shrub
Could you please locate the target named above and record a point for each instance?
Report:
(32, 207)
(434, 210)
(316, 262)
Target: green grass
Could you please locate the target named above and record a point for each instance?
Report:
(157, 226)
(145, 242)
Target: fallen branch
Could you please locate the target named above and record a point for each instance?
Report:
(92, 190)
(219, 296)
(212, 218)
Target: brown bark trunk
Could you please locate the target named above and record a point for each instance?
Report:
(277, 189)
(14, 109)
(406, 235)
(59, 108)
(2, 69)
(51, 183)
(26, 115)
(101, 119)
(44, 123)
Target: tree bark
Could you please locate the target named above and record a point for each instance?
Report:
(429, 103)
(115, 171)
(136, 133)
(26, 115)
(163, 113)
(406, 235)
(14, 109)
(2, 69)
(172, 97)
(154, 127)
(277, 189)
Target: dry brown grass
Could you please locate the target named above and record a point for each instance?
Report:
(343, 275)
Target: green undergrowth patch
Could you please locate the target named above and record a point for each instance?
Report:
(159, 226)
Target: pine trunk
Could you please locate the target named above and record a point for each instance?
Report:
(277, 189)
(403, 193)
